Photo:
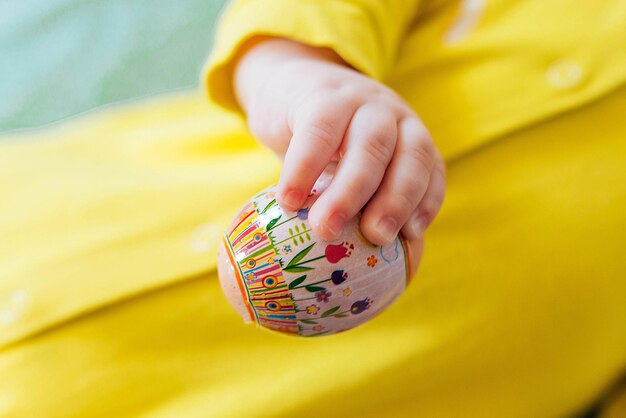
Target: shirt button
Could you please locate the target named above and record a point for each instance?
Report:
(13, 308)
(205, 238)
(563, 74)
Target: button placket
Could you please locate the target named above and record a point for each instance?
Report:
(563, 74)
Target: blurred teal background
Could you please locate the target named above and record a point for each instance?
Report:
(63, 57)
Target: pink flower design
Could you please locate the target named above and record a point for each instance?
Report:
(322, 296)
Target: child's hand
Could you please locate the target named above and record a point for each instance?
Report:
(308, 106)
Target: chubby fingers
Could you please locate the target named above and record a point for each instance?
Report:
(404, 187)
(366, 150)
(317, 135)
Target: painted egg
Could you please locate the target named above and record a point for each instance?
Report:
(276, 272)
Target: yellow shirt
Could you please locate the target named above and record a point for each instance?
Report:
(109, 302)
(473, 70)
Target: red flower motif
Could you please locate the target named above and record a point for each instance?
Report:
(335, 252)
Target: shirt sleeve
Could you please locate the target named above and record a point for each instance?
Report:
(365, 33)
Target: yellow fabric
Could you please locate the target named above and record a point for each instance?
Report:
(109, 303)
(615, 406)
(514, 62)
(115, 204)
(518, 310)
(366, 33)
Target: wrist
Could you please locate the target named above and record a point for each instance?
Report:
(260, 57)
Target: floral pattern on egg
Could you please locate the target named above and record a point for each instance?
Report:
(293, 282)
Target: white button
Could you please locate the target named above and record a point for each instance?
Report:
(205, 238)
(13, 308)
(564, 74)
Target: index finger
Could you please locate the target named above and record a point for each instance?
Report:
(317, 134)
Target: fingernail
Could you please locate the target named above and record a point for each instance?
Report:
(293, 199)
(388, 228)
(335, 224)
(418, 225)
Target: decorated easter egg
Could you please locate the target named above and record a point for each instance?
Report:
(276, 272)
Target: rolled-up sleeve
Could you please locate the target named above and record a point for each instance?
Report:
(365, 33)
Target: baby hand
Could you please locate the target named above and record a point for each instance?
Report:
(312, 109)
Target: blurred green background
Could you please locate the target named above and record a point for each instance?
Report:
(63, 57)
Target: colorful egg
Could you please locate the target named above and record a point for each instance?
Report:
(276, 272)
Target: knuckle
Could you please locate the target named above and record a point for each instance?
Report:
(357, 90)
(398, 202)
(355, 198)
(378, 147)
(405, 198)
(422, 152)
(380, 125)
(349, 90)
(363, 187)
(386, 95)
(322, 132)
(429, 207)
(403, 202)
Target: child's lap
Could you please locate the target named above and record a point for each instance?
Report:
(526, 259)
(517, 310)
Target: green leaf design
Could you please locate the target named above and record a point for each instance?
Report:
(313, 289)
(296, 269)
(269, 205)
(307, 321)
(330, 311)
(273, 222)
(297, 281)
(341, 315)
(300, 255)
